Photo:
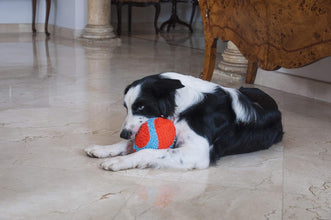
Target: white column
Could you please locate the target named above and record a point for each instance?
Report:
(233, 64)
(98, 26)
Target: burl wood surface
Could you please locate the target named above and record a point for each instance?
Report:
(271, 33)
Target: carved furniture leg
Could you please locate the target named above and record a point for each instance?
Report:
(195, 3)
(251, 72)
(171, 22)
(129, 17)
(157, 13)
(34, 5)
(48, 8)
(119, 18)
(210, 57)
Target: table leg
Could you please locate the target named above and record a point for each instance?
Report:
(174, 18)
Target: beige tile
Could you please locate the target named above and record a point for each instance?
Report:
(256, 171)
(170, 200)
(59, 96)
(309, 206)
(39, 193)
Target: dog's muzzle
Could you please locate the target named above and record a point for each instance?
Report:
(126, 134)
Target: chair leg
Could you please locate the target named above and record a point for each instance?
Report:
(48, 7)
(129, 17)
(34, 5)
(157, 13)
(194, 5)
(119, 18)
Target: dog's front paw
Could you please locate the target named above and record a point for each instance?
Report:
(98, 151)
(115, 164)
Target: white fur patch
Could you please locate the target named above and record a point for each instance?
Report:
(242, 115)
(132, 95)
(192, 93)
(194, 90)
(100, 151)
(132, 122)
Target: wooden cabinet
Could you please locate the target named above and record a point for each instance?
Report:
(269, 33)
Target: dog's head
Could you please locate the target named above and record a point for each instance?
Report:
(152, 96)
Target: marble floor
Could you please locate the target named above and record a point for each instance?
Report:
(59, 96)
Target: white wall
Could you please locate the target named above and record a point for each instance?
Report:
(20, 11)
(69, 14)
(81, 14)
(319, 70)
(64, 13)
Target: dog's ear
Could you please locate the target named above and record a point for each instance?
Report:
(163, 87)
(127, 89)
(164, 91)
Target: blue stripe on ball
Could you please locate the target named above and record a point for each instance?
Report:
(153, 142)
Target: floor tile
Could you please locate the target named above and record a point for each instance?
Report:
(59, 96)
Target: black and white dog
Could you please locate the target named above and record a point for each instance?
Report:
(211, 121)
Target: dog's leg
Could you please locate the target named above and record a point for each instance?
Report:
(99, 151)
(180, 158)
(192, 154)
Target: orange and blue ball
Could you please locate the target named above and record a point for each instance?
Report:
(156, 133)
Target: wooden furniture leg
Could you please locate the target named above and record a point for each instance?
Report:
(119, 18)
(135, 3)
(195, 3)
(129, 17)
(157, 13)
(34, 5)
(210, 58)
(251, 72)
(171, 22)
(48, 8)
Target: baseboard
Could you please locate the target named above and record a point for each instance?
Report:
(66, 32)
(19, 28)
(294, 84)
(53, 29)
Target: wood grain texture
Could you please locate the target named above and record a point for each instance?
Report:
(272, 33)
(251, 72)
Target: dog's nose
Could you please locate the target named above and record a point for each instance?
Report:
(126, 134)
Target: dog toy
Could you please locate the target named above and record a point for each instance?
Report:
(156, 133)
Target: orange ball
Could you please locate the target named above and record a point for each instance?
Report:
(156, 133)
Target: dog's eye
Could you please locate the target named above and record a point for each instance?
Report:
(140, 108)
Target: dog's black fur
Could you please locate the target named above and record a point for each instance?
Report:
(214, 117)
(211, 122)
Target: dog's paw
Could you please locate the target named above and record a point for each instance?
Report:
(115, 164)
(98, 151)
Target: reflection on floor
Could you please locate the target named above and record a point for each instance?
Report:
(59, 96)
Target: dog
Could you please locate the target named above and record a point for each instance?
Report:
(211, 122)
